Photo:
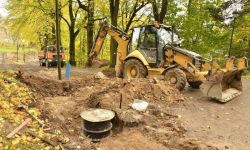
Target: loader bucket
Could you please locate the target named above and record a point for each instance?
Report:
(223, 85)
(98, 63)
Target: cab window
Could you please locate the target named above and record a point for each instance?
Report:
(147, 38)
(135, 39)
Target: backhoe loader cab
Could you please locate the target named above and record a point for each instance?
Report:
(150, 41)
(151, 51)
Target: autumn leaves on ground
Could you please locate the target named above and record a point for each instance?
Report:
(14, 94)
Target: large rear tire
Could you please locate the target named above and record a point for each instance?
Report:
(176, 78)
(195, 85)
(134, 68)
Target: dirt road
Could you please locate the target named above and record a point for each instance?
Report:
(210, 124)
(223, 125)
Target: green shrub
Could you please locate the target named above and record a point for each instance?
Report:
(246, 73)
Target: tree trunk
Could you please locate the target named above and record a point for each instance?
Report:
(60, 13)
(248, 53)
(90, 27)
(72, 47)
(159, 16)
(113, 48)
(155, 10)
(164, 7)
(73, 34)
(114, 8)
(53, 42)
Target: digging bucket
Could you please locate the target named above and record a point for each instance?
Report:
(223, 85)
(98, 63)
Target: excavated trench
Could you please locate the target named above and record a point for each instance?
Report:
(156, 128)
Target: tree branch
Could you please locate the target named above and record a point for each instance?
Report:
(76, 12)
(77, 32)
(133, 14)
(163, 10)
(84, 7)
(155, 10)
(65, 20)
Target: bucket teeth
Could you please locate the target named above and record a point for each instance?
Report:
(229, 97)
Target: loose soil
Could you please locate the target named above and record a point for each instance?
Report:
(64, 101)
(173, 120)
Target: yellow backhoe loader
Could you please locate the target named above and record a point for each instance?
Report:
(150, 51)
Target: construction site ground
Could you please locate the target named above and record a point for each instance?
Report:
(184, 120)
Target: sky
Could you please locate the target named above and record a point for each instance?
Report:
(3, 12)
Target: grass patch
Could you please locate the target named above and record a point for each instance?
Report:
(13, 49)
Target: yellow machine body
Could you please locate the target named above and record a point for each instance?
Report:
(173, 63)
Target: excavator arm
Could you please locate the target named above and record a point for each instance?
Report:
(122, 39)
(99, 39)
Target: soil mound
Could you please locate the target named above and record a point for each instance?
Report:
(108, 92)
(50, 87)
(109, 72)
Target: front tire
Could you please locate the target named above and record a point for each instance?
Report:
(176, 78)
(134, 68)
(47, 64)
(62, 64)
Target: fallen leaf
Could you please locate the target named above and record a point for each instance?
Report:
(47, 148)
(78, 147)
(16, 141)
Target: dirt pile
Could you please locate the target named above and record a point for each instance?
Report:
(50, 87)
(107, 92)
(109, 72)
(156, 128)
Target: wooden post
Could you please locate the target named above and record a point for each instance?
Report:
(18, 128)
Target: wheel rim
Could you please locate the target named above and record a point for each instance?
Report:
(172, 79)
(132, 71)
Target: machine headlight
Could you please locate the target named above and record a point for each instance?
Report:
(50, 60)
(64, 60)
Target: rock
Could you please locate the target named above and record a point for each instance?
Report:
(165, 143)
(100, 75)
(226, 147)
(131, 118)
(156, 81)
(169, 124)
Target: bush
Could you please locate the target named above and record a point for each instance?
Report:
(246, 73)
